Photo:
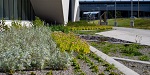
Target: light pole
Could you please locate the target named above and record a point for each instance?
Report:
(115, 23)
(106, 13)
(107, 6)
(132, 21)
(99, 12)
(98, 9)
(138, 9)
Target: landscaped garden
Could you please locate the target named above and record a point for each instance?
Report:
(54, 50)
(122, 50)
(64, 50)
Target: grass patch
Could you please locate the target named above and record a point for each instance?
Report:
(144, 58)
(127, 50)
(141, 23)
(121, 22)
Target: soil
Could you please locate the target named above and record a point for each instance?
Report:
(142, 69)
(102, 38)
(71, 71)
(145, 50)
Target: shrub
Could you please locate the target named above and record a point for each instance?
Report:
(80, 23)
(38, 22)
(60, 28)
(30, 48)
(49, 73)
(32, 73)
(69, 42)
(90, 28)
(144, 58)
(131, 50)
(16, 24)
(3, 26)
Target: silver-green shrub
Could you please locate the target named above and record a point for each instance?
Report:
(30, 48)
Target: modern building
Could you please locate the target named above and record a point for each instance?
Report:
(141, 8)
(51, 11)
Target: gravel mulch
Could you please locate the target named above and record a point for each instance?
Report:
(142, 69)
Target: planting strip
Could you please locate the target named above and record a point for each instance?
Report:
(121, 67)
(137, 61)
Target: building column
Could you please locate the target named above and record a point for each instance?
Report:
(75, 10)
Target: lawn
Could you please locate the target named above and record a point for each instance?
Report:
(141, 23)
(131, 51)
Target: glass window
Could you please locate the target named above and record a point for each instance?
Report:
(15, 10)
(23, 9)
(19, 3)
(6, 10)
(1, 9)
(11, 9)
(32, 13)
(28, 10)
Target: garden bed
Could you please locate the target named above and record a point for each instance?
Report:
(82, 64)
(142, 69)
(122, 49)
(102, 39)
(91, 64)
(38, 51)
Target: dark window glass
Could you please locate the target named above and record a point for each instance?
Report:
(1, 9)
(19, 3)
(6, 10)
(11, 9)
(23, 9)
(15, 9)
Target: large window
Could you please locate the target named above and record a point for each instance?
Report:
(1, 8)
(16, 9)
(6, 10)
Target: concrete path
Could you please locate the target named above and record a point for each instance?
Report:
(129, 34)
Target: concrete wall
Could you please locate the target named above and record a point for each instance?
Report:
(49, 10)
(55, 10)
(75, 10)
(65, 5)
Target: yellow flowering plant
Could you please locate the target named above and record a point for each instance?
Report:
(90, 28)
(69, 42)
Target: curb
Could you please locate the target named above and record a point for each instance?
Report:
(121, 67)
(137, 61)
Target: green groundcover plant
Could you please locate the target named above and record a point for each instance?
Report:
(90, 28)
(62, 28)
(69, 42)
(30, 48)
(80, 23)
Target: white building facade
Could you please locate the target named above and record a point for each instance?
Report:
(51, 11)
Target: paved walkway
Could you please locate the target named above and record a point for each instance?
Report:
(129, 34)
